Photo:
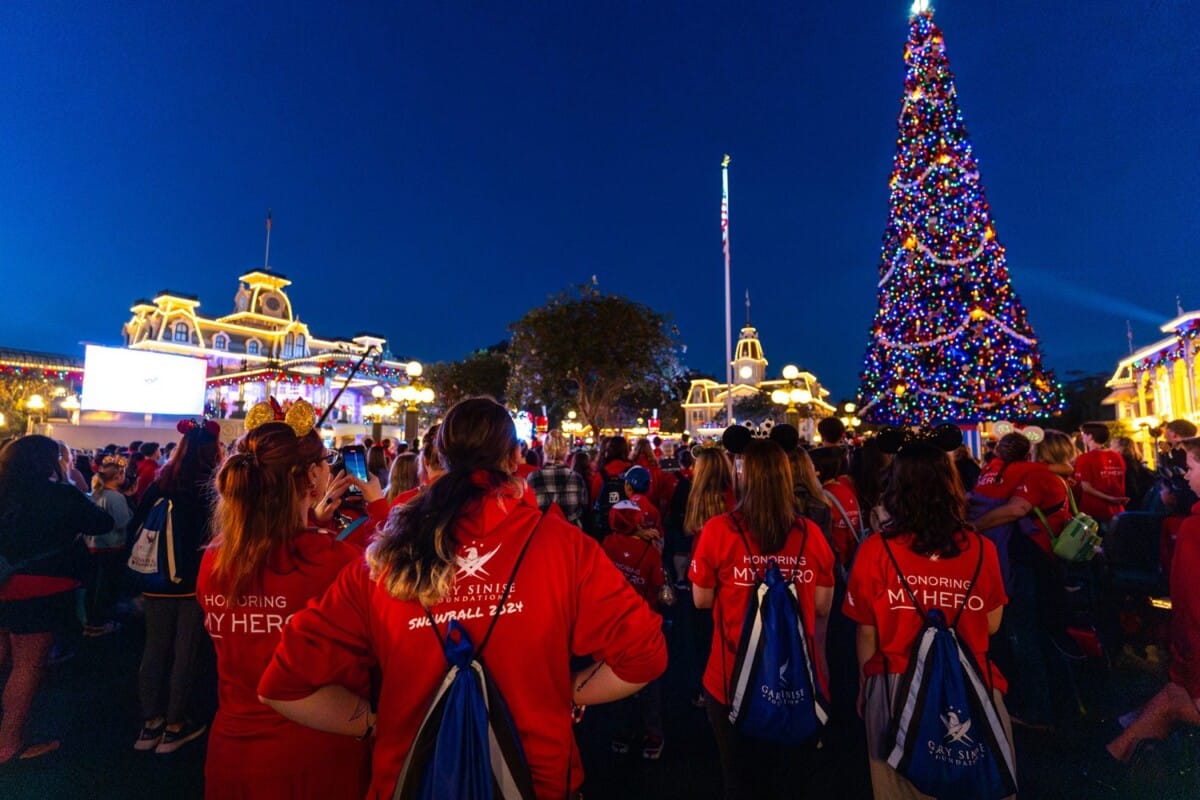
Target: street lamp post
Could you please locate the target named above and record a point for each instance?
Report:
(37, 405)
(376, 412)
(797, 394)
(412, 396)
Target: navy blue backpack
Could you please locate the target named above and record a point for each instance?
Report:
(945, 735)
(467, 747)
(774, 695)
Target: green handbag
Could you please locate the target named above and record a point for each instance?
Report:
(1079, 537)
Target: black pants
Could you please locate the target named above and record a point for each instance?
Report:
(751, 768)
(174, 633)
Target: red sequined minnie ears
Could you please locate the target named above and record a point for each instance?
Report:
(210, 426)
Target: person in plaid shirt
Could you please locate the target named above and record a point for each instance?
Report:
(557, 483)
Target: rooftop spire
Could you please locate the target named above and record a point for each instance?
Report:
(747, 308)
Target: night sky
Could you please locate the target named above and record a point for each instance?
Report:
(436, 169)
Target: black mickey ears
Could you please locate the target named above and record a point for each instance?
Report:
(735, 438)
(944, 437)
(786, 436)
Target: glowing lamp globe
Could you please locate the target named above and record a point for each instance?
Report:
(801, 396)
(377, 391)
(414, 369)
(790, 372)
(425, 395)
(35, 403)
(780, 397)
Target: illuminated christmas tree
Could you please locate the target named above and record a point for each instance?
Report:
(950, 340)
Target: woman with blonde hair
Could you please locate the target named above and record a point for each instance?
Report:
(402, 476)
(421, 587)
(712, 491)
(557, 483)
(265, 563)
(107, 549)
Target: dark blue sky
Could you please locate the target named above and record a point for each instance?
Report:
(436, 169)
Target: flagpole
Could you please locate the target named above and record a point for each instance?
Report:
(728, 300)
(267, 257)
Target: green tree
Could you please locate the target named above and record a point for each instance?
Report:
(587, 350)
(484, 372)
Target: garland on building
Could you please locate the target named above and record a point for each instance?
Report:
(267, 375)
(950, 339)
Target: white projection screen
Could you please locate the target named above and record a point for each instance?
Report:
(135, 381)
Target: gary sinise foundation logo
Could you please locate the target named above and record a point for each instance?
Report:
(472, 563)
(956, 747)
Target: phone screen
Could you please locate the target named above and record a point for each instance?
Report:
(354, 459)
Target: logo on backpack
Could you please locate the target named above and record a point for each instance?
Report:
(945, 734)
(152, 560)
(774, 694)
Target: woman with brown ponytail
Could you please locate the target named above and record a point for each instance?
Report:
(264, 565)
(449, 555)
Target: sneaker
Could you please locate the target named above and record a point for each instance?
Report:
(620, 746)
(149, 738)
(173, 740)
(652, 748)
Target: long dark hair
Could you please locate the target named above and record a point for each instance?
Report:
(414, 555)
(768, 505)
(25, 463)
(924, 497)
(868, 471)
(192, 464)
(615, 448)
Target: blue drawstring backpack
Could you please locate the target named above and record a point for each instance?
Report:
(467, 747)
(774, 694)
(945, 735)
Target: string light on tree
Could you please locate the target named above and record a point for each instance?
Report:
(950, 340)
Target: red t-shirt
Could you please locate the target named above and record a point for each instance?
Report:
(845, 534)
(1104, 470)
(1000, 479)
(721, 562)
(1042, 489)
(568, 598)
(251, 745)
(875, 596)
(639, 560)
(1185, 602)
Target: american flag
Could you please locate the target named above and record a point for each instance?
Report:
(725, 206)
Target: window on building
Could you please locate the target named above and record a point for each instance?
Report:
(289, 342)
(299, 345)
(182, 334)
(220, 342)
(252, 347)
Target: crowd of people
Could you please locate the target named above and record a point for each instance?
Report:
(335, 603)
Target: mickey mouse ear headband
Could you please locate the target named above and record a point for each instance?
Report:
(1031, 432)
(736, 437)
(944, 437)
(193, 426)
(301, 417)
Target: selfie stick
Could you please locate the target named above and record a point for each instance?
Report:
(338, 396)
